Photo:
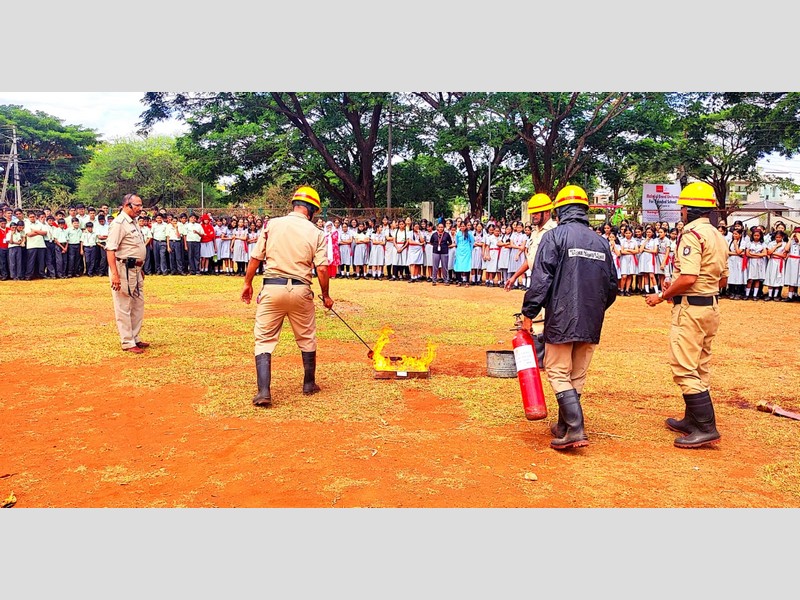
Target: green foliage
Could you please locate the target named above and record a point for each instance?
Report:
(151, 167)
(51, 153)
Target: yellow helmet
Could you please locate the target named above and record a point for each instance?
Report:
(571, 194)
(698, 195)
(539, 203)
(307, 194)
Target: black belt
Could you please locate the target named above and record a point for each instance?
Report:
(139, 263)
(696, 300)
(282, 281)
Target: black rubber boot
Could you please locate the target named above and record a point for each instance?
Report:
(310, 367)
(701, 413)
(569, 405)
(686, 426)
(264, 376)
(559, 429)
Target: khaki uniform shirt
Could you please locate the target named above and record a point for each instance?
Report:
(291, 246)
(536, 237)
(125, 238)
(701, 250)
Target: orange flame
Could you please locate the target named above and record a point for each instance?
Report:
(406, 363)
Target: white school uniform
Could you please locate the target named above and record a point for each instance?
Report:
(361, 256)
(400, 256)
(737, 272)
(491, 264)
(428, 249)
(617, 260)
(477, 251)
(756, 267)
(791, 271)
(389, 251)
(502, 260)
(628, 262)
(647, 261)
(345, 247)
(416, 254)
(776, 264)
(514, 260)
(663, 252)
(451, 253)
(377, 253)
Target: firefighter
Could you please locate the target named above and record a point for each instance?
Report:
(700, 271)
(291, 246)
(575, 280)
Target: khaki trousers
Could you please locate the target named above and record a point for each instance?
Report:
(275, 302)
(690, 335)
(537, 328)
(566, 365)
(129, 305)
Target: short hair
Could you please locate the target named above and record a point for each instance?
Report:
(76, 220)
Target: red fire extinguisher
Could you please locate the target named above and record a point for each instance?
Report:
(530, 383)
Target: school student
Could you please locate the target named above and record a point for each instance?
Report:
(737, 267)
(400, 267)
(647, 261)
(194, 233)
(239, 253)
(60, 240)
(629, 252)
(777, 251)
(159, 245)
(491, 256)
(476, 270)
(791, 276)
(345, 250)
(662, 258)
(224, 253)
(174, 246)
(756, 254)
(429, 253)
(504, 243)
(361, 251)
(416, 253)
(35, 247)
(16, 244)
(377, 253)
(74, 260)
(465, 243)
(616, 250)
(88, 248)
(50, 247)
(5, 274)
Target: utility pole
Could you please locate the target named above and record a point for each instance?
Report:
(489, 190)
(202, 200)
(389, 166)
(15, 153)
(13, 159)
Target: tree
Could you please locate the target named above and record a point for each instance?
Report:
(153, 168)
(51, 153)
(725, 134)
(561, 132)
(470, 129)
(334, 140)
(424, 178)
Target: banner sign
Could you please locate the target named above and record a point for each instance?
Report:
(660, 202)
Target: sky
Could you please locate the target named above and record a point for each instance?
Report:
(111, 114)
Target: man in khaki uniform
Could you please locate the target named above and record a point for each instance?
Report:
(126, 252)
(701, 270)
(291, 246)
(540, 207)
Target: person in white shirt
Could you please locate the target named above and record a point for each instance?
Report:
(89, 249)
(159, 231)
(101, 230)
(194, 231)
(36, 249)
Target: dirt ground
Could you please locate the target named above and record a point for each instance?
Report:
(89, 428)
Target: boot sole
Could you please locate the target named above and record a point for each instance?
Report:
(676, 430)
(578, 444)
(698, 445)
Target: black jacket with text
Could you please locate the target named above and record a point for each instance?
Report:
(573, 278)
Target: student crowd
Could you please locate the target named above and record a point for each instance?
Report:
(458, 251)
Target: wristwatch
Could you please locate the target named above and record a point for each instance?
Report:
(660, 295)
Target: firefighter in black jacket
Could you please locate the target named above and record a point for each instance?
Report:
(574, 279)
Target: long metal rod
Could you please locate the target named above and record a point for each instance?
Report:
(348, 326)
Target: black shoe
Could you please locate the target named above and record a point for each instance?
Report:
(309, 370)
(263, 375)
(569, 405)
(703, 422)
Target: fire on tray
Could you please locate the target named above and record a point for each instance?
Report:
(400, 367)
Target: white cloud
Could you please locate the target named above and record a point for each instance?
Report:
(111, 114)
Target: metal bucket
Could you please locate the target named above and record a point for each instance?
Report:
(500, 363)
